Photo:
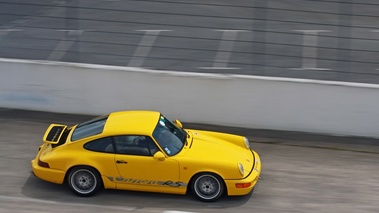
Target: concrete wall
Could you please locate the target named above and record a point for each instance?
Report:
(235, 100)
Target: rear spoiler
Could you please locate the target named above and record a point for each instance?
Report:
(54, 133)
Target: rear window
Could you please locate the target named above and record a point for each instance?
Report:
(89, 128)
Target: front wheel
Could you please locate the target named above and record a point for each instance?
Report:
(84, 181)
(207, 187)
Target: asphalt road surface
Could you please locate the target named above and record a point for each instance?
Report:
(301, 173)
(324, 39)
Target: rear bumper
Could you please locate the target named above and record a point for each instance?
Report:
(250, 180)
(47, 174)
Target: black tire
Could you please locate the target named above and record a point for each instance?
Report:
(84, 181)
(207, 187)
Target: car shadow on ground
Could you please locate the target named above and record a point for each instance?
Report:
(38, 189)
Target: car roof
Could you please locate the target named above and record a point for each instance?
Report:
(131, 122)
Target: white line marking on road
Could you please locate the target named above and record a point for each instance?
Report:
(144, 47)
(60, 50)
(309, 55)
(219, 68)
(10, 30)
(224, 51)
(375, 31)
(4, 32)
(21, 21)
(33, 200)
(12, 198)
(310, 68)
(73, 32)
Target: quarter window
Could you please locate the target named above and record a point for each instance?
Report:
(100, 145)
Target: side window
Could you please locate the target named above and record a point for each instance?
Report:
(135, 145)
(100, 145)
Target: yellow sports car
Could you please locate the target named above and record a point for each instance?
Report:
(144, 151)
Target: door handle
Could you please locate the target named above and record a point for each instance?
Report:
(121, 161)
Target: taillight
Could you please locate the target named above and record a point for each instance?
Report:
(243, 185)
(43, 164)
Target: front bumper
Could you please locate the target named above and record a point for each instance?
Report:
(47, 174)
(250, 181)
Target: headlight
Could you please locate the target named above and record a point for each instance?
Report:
(240, 167)
(247, 144)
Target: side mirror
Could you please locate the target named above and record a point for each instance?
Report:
(159, 156)
(178, 123)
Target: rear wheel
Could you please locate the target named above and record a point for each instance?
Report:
(84, 181)
(207, 187)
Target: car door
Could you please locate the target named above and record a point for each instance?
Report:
(139, 170)
(101, 154)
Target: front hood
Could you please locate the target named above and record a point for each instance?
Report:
(217, 147)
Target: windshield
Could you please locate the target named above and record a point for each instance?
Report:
(170, 137)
